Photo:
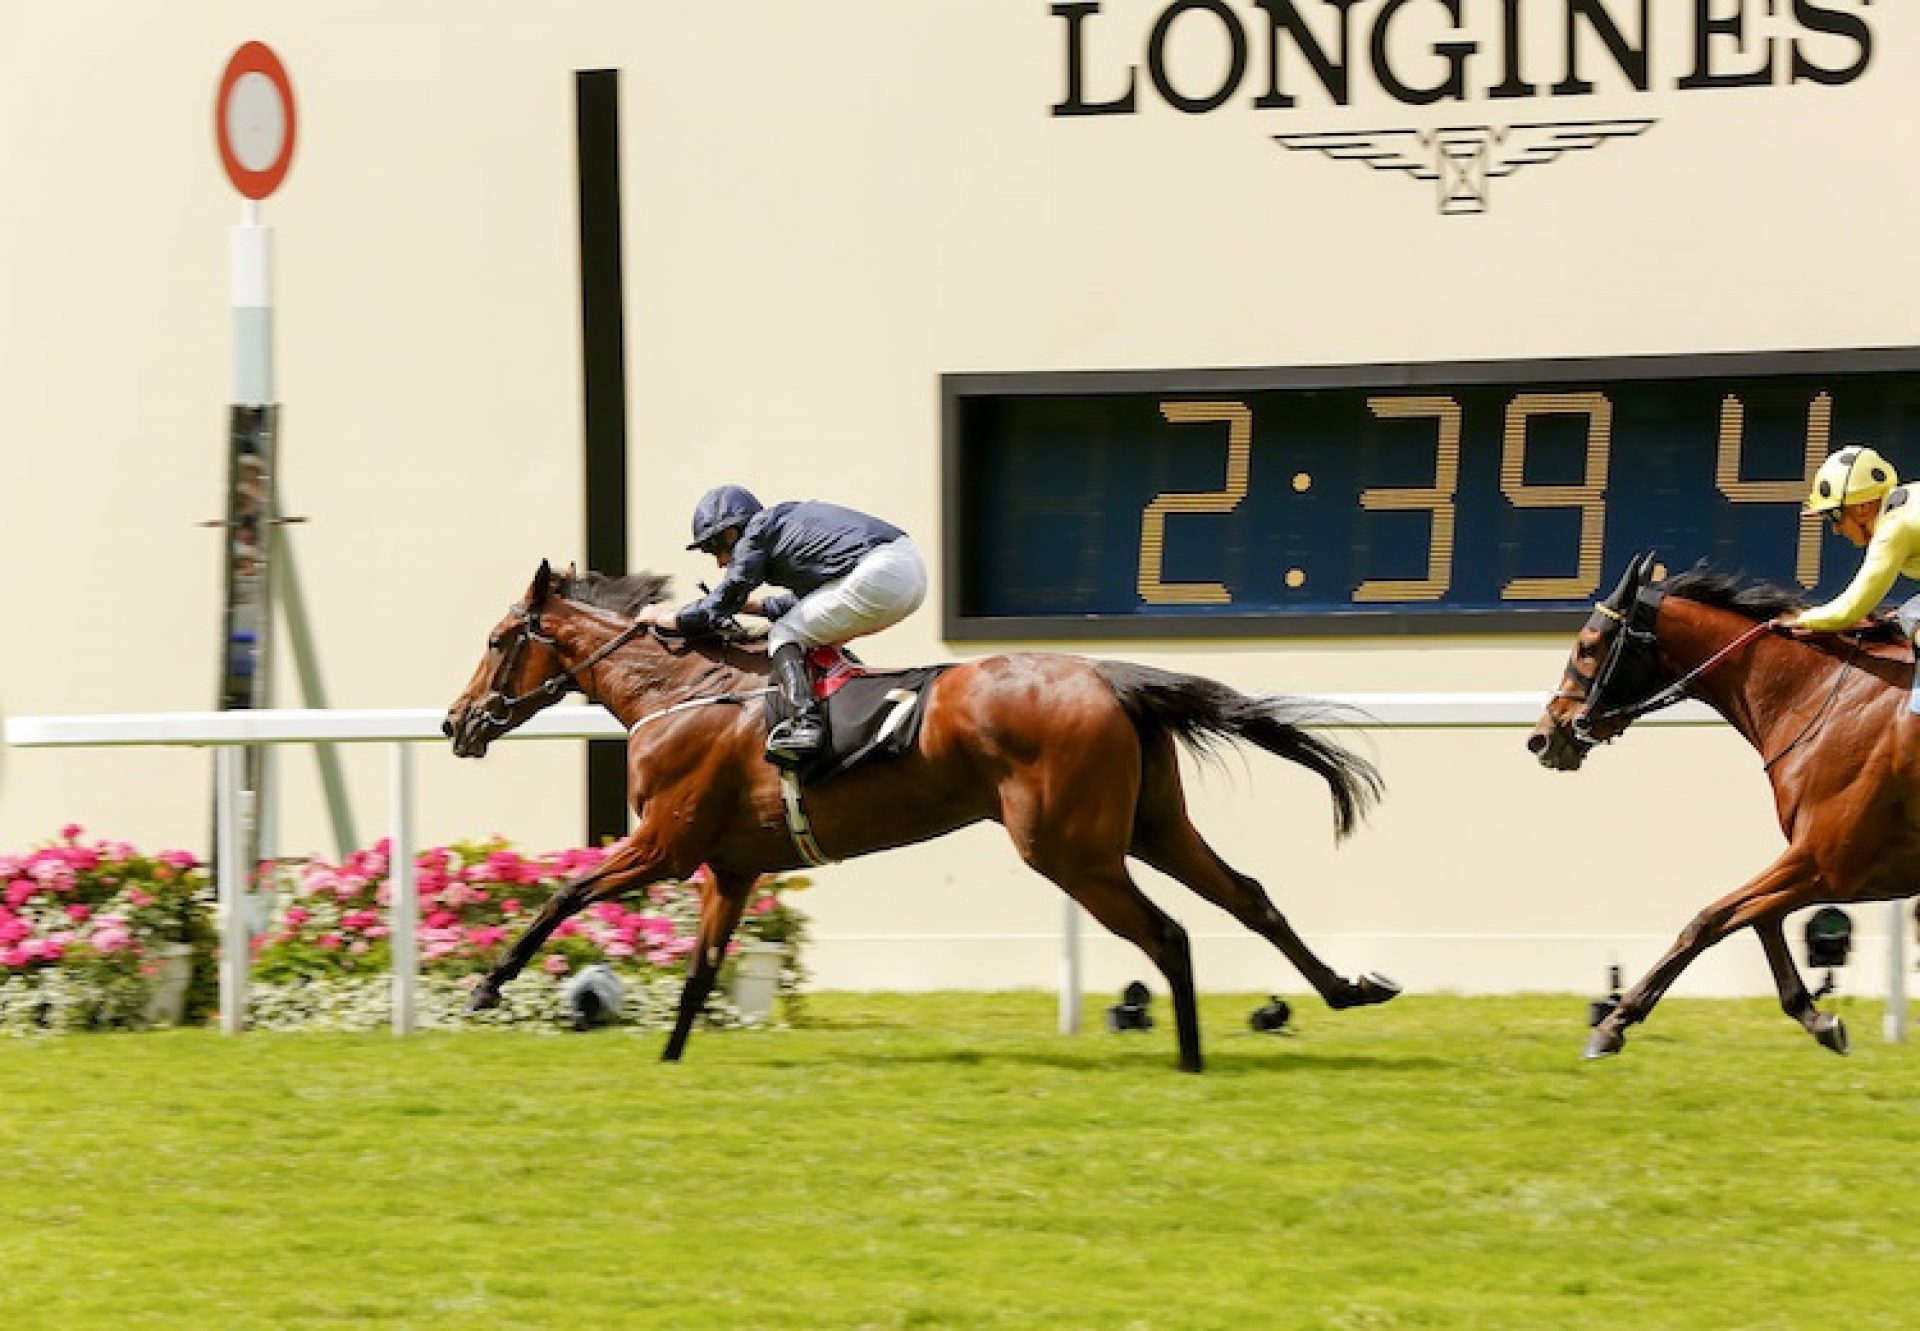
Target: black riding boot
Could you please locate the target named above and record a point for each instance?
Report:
(804, 734)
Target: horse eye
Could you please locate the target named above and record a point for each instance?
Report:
(493, 644)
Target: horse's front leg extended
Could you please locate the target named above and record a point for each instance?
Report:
(721, 905)
(631, 863)
(1788, 882)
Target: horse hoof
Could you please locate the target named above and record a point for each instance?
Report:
(484, 996)
(1603, 1044)
(1830, 1031)
(1369, 989)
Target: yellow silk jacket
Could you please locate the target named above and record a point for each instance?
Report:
(1894, 550)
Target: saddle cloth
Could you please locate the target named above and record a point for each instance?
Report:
(870, 714)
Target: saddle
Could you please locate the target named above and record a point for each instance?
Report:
(870, 714)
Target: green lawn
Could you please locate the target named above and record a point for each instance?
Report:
(948, 1161)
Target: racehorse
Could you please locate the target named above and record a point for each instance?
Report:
(1826, 712)
(1075, 758)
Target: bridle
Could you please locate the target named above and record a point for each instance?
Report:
(499, 707)
(1634, 632)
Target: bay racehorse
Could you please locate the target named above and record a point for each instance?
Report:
(1075, 758)
(1827, 714)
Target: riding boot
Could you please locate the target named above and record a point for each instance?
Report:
(803, 734)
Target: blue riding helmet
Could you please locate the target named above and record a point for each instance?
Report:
(722, 507)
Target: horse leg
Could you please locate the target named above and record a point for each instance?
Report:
(1786, 883)
(1111, 897)
(1165, 837)
(629, 864)
(1181, 853)
(1795, 1001)
(721, 902)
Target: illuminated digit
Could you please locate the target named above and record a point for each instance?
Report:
(1438, 498)
(1590, 497)
(1238, 418)
(1733, 433)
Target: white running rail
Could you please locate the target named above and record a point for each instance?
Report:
(228, 732)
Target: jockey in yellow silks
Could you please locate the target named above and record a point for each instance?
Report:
(1862, 497)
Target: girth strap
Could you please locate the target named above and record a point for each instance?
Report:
(798, 824)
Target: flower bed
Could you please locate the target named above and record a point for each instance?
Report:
(83, 925)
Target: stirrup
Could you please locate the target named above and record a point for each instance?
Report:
(795, 741)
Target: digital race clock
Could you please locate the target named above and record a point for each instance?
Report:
(1433, 498)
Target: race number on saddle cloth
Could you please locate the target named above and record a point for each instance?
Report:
(1862, 496)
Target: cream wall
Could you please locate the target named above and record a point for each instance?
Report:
(828, 207)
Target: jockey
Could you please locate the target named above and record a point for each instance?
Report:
(1862, 496)
(845, 574)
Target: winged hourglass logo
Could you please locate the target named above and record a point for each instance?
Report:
(1463, 160)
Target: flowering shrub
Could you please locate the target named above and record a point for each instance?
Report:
(327, 955)
(85, 928)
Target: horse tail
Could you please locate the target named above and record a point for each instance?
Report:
(1199, 712)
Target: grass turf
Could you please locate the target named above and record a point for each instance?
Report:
(948, 1161)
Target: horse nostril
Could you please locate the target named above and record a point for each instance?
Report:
(446, 727)
(1536, 743)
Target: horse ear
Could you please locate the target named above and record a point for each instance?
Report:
(1650, 567)
(1629, 582)
(542, 583)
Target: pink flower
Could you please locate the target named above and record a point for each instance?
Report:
(298, 915)
(112, 938)
(511, 906)
(329, 940)
(441, 919)
(555, 965)
(178, 859)
(138, 898)
(20, 891)
(78, 913)
(71, 832)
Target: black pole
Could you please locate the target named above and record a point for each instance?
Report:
(604, 380)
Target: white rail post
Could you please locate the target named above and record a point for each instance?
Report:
(404, 909)
(232, 888)
(1070, 969)
(1895, 1025)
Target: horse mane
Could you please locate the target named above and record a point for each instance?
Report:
(1726, 591)
(624, 594)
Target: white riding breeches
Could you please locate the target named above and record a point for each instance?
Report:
(886, 586)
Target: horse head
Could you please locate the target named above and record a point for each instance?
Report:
(521, 673)
(1612, 667)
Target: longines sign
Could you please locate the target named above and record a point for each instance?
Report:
(1281, 54)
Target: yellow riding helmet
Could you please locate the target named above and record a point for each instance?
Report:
(1853, 475)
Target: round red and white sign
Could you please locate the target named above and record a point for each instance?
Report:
(254, 122)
